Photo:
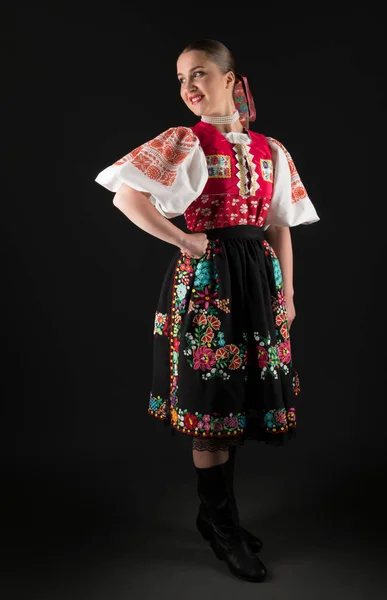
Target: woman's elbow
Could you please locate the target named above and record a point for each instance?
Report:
(278, 228)
(126, 194)
(123, 193)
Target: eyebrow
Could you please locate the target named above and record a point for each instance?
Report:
(193, 68)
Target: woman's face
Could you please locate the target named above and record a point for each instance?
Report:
(204, 88)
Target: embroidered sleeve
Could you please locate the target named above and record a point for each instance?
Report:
(290, 204)
(171, 167)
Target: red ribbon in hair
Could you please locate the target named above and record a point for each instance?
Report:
(243, 99)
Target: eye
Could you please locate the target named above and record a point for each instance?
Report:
(182, 79)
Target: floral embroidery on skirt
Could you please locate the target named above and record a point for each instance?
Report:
(222, 363)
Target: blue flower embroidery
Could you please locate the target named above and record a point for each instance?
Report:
(204, 274)
(269, 420)
(277, 272)
(242, 421)
(221, 340)
(181, 291)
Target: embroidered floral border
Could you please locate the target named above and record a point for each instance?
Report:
(207, 351)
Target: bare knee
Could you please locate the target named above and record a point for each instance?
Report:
(206, 458)
(208, 452)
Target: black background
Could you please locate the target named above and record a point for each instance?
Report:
(86, 472)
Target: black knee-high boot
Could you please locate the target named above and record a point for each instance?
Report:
(227, 540)
(254, 542)
(202, 522)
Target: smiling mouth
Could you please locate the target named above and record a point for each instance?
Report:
(196, 99)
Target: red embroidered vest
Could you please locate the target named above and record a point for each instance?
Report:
(240, 181)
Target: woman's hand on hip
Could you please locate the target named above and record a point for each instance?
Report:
(194, 244)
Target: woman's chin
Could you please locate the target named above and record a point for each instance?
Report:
(197, 109)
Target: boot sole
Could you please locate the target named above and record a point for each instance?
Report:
(218, 553)
(207, 535)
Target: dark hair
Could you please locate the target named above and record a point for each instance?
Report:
(217, 52)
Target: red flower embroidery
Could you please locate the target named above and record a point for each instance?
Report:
(203, 358)
(236, 362)
(231, 422)
(190, 421)
(186, 266)
(221, 353)
(262, 357)
(214, 322)
(166, 326)
(232, 348)
(280, 417)
(208, 336)
(281, 297)
(284, 352)
(284, 331)
(205, 298)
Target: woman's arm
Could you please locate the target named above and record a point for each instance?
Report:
(136, 206)
(280, 240)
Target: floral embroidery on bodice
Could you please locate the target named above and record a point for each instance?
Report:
(214, 179)
(240, 181)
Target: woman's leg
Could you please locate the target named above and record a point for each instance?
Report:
(216, 521)
(209, 452)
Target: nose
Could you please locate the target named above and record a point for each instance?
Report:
(190, 86)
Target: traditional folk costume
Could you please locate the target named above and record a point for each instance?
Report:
(222, 371)
(222, 365)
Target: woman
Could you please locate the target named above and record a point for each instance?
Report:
(223, 370)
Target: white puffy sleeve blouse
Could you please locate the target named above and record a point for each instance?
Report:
(172, 168)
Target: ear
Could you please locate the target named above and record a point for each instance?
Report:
(230, 79)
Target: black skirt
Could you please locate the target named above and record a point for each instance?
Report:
(222, 364)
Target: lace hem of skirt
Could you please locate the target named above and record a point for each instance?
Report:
(211, 445)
